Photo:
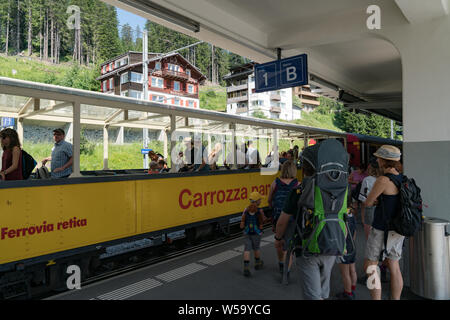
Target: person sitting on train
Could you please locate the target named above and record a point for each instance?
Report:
(214, 156)
(154, 168)
(296, 153)
(252, 156)
(200, 157)
(240, 158)
(62, 156)
(162, 166)
(155, 156)
(12, 155)
(283, 157)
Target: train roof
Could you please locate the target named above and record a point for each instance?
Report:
(378, 140)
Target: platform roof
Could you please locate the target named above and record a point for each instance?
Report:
(343, 53)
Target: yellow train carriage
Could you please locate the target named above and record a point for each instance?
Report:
(44, 218)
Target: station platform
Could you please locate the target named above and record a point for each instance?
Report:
(216, 273)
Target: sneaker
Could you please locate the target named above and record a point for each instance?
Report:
(259, 265)
(344, 296)
(247, 272)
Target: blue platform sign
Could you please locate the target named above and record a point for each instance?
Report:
(280, 74)
(145, 151)
(7, 122)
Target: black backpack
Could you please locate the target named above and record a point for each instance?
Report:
(409, 219)
(28, 164)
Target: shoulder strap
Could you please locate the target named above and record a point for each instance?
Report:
(394, 179)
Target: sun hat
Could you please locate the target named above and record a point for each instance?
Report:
(255, 196)
(388, 152)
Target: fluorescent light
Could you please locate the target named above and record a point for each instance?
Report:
(163, 13)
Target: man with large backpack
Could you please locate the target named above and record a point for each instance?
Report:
(319, 207)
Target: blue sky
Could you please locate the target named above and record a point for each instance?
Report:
(130, 18)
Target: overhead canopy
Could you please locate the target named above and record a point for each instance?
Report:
(344, 54)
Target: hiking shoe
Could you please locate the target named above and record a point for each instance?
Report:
(259, 265)
(247, 272)
(344, 296)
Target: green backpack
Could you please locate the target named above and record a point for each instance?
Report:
(320, 226)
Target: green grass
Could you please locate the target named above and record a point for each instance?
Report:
(213, 98)
(127, 156)
(317, 120)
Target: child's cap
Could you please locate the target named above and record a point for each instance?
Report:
(255, 196)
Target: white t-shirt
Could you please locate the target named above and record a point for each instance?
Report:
(366, 187)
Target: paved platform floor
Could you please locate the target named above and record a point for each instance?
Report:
(216, 274)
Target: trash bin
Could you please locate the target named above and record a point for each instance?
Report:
(430, 260)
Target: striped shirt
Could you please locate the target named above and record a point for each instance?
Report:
(61, 153)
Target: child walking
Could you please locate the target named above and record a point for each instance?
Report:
(252, 223)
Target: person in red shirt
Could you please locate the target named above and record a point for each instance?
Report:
(12, 155)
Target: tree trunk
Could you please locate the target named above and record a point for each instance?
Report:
(46, 36)
(52, 43)
(40, 33)
(7, 28)
(18, 26)
(29, 29)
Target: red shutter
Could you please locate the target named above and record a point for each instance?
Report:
(181, 102)
(195, 104)
(150, 98)
(173, 100)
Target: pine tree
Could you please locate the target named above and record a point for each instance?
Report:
(126, 36)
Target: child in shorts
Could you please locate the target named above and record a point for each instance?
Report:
(252, 223)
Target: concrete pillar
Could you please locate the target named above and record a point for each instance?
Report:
(20, 129)
(106, 147)
(145, 146)
(76, 140)
(120, 136)
(425, 53)
(69, 133)
(164, 134)
(173, 128)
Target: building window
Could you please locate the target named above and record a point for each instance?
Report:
(157, 65)
(190, 88)
(258, 103)
(104, 86)
(136, 77)
(124, 93)
(282, 105)
(188, 72)
(124, 78)
(190, 103)
(173, 67)
(176, 85)
(116, 64)
(111, 66)
(176, 101)
(132, 94)
(157, 82)
(111, 84)
(158, 98)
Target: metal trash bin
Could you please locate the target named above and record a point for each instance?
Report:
(429, 257)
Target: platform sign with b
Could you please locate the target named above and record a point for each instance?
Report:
(280, 74)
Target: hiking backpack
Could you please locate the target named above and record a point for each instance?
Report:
(320, 227)
(28, 164)
(409, 218)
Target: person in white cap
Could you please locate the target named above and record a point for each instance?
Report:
(387, 199)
